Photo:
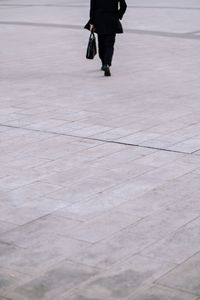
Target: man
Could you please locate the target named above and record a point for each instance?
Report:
(104, 20)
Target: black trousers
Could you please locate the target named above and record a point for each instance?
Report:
(106, 48)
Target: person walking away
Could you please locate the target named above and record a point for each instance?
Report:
(105, 16)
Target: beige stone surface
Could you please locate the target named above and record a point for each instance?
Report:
(99, 177)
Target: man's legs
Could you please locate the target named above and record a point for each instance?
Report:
(109, 49)
(106, 48)
(101, 44)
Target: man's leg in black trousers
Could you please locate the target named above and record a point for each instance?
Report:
(106, 49)
(101, 45)
(109, 43)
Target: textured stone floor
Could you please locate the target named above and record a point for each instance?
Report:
(99, 177)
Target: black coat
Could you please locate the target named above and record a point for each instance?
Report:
(105, 16)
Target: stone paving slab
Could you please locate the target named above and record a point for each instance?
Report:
(189, 273)
(99, 177)
(160, 292)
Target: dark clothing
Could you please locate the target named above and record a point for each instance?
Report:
(105, 15)
(106, 48)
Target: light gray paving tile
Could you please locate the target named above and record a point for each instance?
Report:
(20, 215)
(34, 232)
(33, 190)
(157, 292)
(93, 207)
(88, 143)
(184, 277)
(45, 125)
(6, 226)
(70, 126)
(58, 152)
(10, 279)
(14, 182)
(192, 130)
(41, 136)
(5, 171)
(82, 191)
(125, 172)
(120, 158)
(109, 252)
(188, 202)
(159, 158)
(102, 150)
(176, 138)
(124, 279)
(162, 196)
(130, 170)
(8, 252)
(62, 142)
(76, 175)
(3, 129)
(191, 159)
(24, 162)
(73, 115)
(171, 171)
(163, 142)
(179, 245)
(12, 134)
(176, 188)
(79, 296)
(120, 173)
(161, 223)
(141, 206)
(102, 227)
(132, 189)
(188, 146)
(54, 282)
(44, 204)
(197, 171)
(9, 202)
(138, 138)
(157, 143)
(168, 127)
(54, 166)
(20, 140)
(41, 254)
(90, 131)
(21, 122)
(113, 134)
(20, 147)
(66, 178)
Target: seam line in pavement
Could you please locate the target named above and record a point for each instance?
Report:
(86, 5)
(96, 139)
(186, 36)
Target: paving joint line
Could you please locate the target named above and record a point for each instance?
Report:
(176, 289)
(186, 36)
(86, 5)
(96, 139)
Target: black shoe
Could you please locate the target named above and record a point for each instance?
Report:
(103, 68)
(107, 71)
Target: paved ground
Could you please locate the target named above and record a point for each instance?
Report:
(99, 177)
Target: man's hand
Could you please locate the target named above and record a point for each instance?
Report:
(92, 28)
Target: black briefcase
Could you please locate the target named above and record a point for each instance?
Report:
(92, 47)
